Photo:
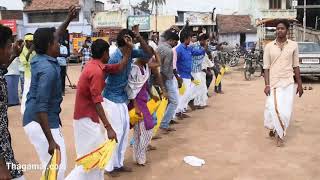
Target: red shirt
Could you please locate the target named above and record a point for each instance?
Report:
(90, 87)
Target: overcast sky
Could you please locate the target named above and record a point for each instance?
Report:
(171, 7)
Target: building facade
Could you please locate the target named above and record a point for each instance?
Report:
(51, 13)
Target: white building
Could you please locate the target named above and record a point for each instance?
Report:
(51, 13)
(268, 9)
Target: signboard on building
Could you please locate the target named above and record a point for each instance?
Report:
(198, 18)
(12, 24)
(143, 21)
(109, 19)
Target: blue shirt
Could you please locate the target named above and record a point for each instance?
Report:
(116, 83)
(45, 94)
(184, 59)
(197, 60)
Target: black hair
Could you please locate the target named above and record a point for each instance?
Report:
(184, 35)
(203, 37)
(122, 33)
(169, 35)
(145, 36)
(98, 47)
(5, 35)
(42, 38)
(28, 34)
(285, 22)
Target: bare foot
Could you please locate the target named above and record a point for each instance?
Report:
(156, 137)
(174, 122)
(140, 165)
(164, 131)
(124, 169)
(151, 148)
(271, 134)
(112, 174)
(280, 142)
(185, 116)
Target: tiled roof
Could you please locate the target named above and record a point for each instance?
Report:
(11, 14)
(40, 5)
(235, 24)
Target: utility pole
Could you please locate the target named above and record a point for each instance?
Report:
(304, 19)
(317, 19)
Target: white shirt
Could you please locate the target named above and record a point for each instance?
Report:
(13, 69)
(62, 60)
(153, 45)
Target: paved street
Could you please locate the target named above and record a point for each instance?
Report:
(229, 135)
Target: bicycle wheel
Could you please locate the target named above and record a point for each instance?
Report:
(234, 61)
(247, 73)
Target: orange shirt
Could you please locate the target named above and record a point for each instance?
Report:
(281, 62)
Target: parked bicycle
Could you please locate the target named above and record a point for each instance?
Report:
(253, 65)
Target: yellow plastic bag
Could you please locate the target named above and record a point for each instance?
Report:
(182, 89)
(97, 158)
(160, 114)
(135, 118)
(52, 168)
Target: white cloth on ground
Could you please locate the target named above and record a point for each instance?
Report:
(118, 116)
(142, 138)
(26, 88)
(278, 109)
(39, 141)
(88, 136)
(194, 161)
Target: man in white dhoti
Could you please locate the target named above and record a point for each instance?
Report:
(41, 120)
(280, 61)
(25, 58)
(116, 98)
(88, 131)
(200, 91)
(184, 68)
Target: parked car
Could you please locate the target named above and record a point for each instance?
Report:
(309, 56)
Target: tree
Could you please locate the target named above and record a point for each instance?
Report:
(144, 7)
(156, 3)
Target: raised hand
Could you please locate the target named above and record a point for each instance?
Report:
(129, 42)
(73, 12)
(136, 30)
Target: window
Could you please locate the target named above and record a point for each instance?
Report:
(42, 17)
(180, 16)
(275, 4)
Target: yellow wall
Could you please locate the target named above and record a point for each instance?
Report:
(164, 22)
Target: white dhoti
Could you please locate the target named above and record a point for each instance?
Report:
(20, 178)
(278, 109)
(142, 138)
(118, 117)
(88, 136)
(26, 88)
(200, 91)
(39, 141)
(187, 96)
